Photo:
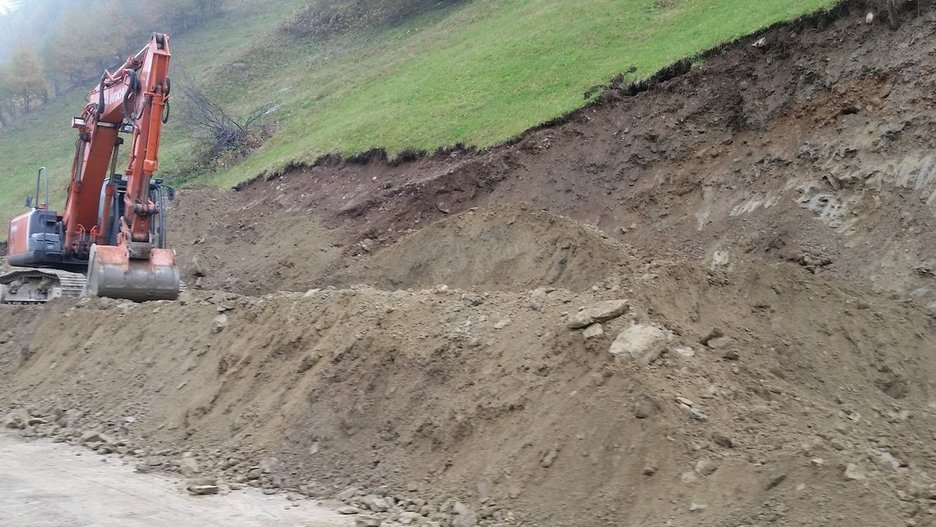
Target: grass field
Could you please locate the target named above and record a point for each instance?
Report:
(477, 74)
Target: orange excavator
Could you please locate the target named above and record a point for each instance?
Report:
(110, 240)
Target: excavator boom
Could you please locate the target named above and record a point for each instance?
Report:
(113, 225)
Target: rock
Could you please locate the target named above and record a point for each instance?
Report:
(367, 521)
(17, 419)
(697, 507)
(854, 473)
(649, 470)
(198, 270)
(706, 467)
(188, 466)
(723, 440)
(410, 518)
(464, 517)
(347, 494)
(718, 343)
(220, 322)
(143, 468)
(593, 331)
(731, 355)
(599, 312)
(502, 323)
(775, 481)
(538, 299)
(202, 486)
(474, 299)
(645, 406)
(549, 458)
(685, 352)
(886, 461)
(347, 509)
(91, 436)
(375, 503)
(642, 343)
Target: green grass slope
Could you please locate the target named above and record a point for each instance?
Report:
(477, 74)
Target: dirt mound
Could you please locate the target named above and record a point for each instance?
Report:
(505, 248)
(769, 385)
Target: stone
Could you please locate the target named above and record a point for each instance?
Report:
(188, 466)
(697, 507)
(645, 406)
(201, 490)
(593, 331)
(854, 473)
(220, 322)
(718, 343)
(599, 312)
(367, 521)
(649, 470)
(464, 517)
(502, 323)
(886, 461)
(375, 503)
(202, 486)
(549, 458)
(91, 436)
(410, 518)
(723, 440)
(706, 467)
(731, 355)
(348, 494)
(17, 419)
(347, 509)
(685, 352)
(143, 468)
(642, 343)
(538, 299)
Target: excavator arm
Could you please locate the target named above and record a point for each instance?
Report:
(135, 95)
(113, 224)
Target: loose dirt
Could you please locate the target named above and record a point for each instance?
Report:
(400, 335)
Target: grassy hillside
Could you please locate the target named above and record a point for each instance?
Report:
(476, 74)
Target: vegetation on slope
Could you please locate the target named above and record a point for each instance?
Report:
(475, 72)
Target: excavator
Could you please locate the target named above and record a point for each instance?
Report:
(110, 241)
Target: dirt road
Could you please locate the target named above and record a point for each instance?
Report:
(44, 484)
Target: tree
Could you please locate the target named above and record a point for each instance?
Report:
(26, 76)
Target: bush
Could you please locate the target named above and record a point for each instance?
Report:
(331, 18)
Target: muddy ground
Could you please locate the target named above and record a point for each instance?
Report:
(403, 331)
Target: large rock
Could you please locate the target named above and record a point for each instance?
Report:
(641, 342)
(598, 313)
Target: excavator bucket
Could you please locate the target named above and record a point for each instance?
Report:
(111, 273)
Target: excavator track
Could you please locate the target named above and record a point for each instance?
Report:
(38, 286)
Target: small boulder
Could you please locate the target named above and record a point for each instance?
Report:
(645, 406)
(593, 331)
(599, 312)
(642, 343)
(854, 473)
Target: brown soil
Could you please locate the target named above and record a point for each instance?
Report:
(771, 210)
